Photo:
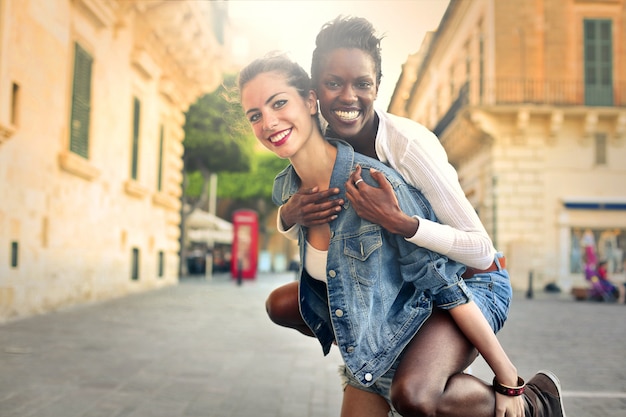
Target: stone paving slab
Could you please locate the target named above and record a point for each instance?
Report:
(206, 348)
(197, 349)
(584, 343)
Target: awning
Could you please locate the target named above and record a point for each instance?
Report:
(204, 227)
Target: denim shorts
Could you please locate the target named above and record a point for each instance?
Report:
(382, 386)
(492, 294)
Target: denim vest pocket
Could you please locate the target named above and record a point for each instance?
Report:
(361, 250)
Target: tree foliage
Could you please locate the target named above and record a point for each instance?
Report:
(254, 184)
(216, 140)
(216, 137)
(253, 190)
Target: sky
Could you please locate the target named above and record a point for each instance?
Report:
(261, 26)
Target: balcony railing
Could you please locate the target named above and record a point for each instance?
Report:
(553, 92)
(506, 91)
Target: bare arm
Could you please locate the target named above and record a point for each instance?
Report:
(417, 154)
(475, 327)
(378, 205)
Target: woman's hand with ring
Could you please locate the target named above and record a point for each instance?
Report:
(379, 204)
(311, 207)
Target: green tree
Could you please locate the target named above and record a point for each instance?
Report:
(253, 189)
(216, 140)
(255, 184)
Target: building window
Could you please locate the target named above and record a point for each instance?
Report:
(14, 254)
(44, 232)
(15, 104)
(481, 67)
(81, 102)
(160, 162)
(600, 149)
(134, 274)
(161, 266)
(468, 63)
(135, 151)
(598, 63)
(590, 246)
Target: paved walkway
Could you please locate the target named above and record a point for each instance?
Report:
(206, 348)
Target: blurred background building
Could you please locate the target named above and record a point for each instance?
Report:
(92, 102)
(529, 101)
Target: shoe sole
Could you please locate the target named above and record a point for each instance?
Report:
(557, 383)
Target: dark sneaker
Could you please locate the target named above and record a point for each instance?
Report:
(543, 396)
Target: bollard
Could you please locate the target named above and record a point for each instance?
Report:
(208, 267)
(239, 272)
(529, 293)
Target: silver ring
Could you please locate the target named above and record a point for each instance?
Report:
(356, 183)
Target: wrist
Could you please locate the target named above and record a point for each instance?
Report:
(508, 390)
(286, 225)
(407, 226)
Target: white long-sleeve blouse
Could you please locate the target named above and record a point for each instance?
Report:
(416, 153)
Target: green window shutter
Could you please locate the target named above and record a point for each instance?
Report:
(14, 254)
(81, 102)
(135, 151)
(134, 267)
(598, 63)
(160, 162)
(601, 149)
(161, 265)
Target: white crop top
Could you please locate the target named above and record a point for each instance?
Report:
(315, 262)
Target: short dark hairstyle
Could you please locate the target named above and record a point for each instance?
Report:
(346, 32)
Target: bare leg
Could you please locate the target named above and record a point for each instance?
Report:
(359, 403)
(429, 380)
(283, 308)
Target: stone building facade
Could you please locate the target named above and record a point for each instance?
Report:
(529, 100)
(92, 102)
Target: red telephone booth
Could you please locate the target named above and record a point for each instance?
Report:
(245, 249)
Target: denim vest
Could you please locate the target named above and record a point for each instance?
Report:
(380, 288)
